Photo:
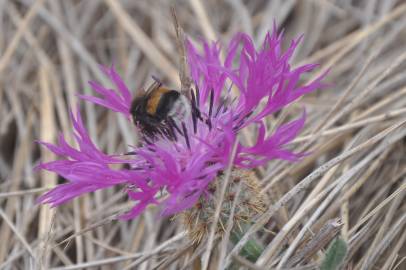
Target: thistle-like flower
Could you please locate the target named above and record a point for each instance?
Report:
(181, 168)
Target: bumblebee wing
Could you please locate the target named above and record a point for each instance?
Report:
(154, 86)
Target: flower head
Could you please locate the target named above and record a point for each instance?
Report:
(188, 155)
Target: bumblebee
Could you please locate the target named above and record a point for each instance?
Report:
(153, 109)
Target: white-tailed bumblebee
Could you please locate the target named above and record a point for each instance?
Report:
(153, 109)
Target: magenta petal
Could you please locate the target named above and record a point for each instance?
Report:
(273, 146)
(145, 198)
(118, 100)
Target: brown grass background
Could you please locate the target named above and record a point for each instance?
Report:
(352, 184)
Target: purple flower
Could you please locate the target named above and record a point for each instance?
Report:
(174, 171)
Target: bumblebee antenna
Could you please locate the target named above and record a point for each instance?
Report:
(156, 80)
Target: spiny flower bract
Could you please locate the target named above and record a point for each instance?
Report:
(184, 159)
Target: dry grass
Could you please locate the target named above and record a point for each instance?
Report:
(356, 171)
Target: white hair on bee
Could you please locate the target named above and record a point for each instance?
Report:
(181, 109)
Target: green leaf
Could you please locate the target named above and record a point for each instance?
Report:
(251, 250)
(335, 255)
